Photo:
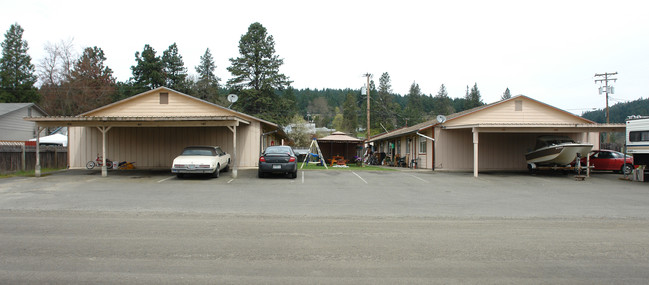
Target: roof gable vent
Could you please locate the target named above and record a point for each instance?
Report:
(518, 105)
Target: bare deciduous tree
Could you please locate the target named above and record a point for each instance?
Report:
(56, 66)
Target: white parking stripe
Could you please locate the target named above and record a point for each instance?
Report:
(302, 177)
(359, 177)
(417, 177)
(230, 180)
(166, 179)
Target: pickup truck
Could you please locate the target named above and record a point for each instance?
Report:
(201, 160)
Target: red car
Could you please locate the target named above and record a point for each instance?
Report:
(610, 160)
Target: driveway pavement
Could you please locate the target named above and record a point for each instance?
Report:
(335, 193)
(325, 227)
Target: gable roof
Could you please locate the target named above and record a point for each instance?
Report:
(467, 113)
(339, 137)
(403, 131)
(6, 108)
(188, 97)
(487, 106)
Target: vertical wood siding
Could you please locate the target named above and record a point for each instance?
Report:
(497, 151)
(154, 148)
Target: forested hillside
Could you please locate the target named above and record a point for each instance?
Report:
(70, 84)
(388, 111)
(619, 112)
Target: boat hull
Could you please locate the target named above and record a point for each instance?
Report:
(562, 154)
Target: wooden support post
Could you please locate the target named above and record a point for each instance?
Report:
(104, 169)
(234, 152)
(475, 152)
(23, 157)
(588, 156)
(37, 168)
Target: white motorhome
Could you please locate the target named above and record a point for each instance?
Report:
(637, 139)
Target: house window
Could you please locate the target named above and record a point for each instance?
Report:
(518, 105)
(408, 145)
(422, 144)
(164, 98)
(399, 146)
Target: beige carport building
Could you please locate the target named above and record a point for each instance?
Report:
(496, 137)
(153, 127)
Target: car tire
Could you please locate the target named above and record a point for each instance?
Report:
(180, 175)
(626, 169)
(227, 168)
(260, 174)
(294, 174)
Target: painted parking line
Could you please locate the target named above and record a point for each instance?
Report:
(359, 177)
(230, 180)
(163, 180)
(302, 177)
(416, 177)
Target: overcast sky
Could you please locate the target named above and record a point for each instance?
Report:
(547, 50)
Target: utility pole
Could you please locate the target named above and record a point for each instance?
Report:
(606, 89)
(367, 88)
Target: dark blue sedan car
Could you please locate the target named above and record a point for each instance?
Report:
(278, 159)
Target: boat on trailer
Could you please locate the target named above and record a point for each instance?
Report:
(553, 150)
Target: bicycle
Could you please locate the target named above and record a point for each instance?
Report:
(99, 162)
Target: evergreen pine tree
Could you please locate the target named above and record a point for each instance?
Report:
(174, 69)
(148, 73)
(386, 113)
(350, 114)
(506, 94)
(443, 104)
(207, 86)
(17, 73)
(256, 75)
(473, 98)
(414, 111)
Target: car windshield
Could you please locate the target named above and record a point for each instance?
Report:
(204, 151)
(278, 149)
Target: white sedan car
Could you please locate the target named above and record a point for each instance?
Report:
(201, 160)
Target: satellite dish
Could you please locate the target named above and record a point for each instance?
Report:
(232, 98)
(441, 119)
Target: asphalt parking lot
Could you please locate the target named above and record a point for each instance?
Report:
(335, 193)
(324, 227)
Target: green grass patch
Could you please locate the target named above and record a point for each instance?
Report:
(313, 166)
(29, 173)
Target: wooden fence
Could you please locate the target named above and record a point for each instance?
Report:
(20, 157)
